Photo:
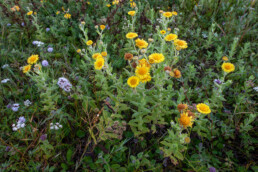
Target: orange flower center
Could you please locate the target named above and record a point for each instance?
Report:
(142, 71)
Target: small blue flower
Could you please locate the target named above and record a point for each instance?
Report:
(44, 63)
(217, 81)
(9, 24)
(47, 29)
(50, 49)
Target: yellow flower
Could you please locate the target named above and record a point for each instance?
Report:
(131, 35)
(108, 5)
(167, 14)
(17, 8)
(228, 67)
(79, 50)
(26, 69)
(99, 63)
(67, 16)
(133, 4)
(142, 72)
(169, 29)
(174, 13)
(29, 13)
(163, 32)
(102, 27)
(187, 140)
(88, 2)
(225, 58)
(140, 43)
(115, 2)
(131, 13)
(158, 58)
(144, 62)
(35, 13)
(96, 56)
(58, 12)
(133, 81)
(89, 42)
(180, 44)
(146, 78)
(177, 73)
(104, 53)
(171, 37)
(33, 59)
(203, 108)
(185, 120)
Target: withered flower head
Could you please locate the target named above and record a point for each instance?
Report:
(181, 107)
(167, 68)
(128, 56)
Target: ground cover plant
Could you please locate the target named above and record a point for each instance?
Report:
(128, 85)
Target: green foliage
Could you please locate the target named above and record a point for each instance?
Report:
(108, 126)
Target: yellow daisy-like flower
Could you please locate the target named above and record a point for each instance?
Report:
(180, 44)
(67, 16)
(225, 58)
(89, 42)
(17, 8)
(58, 12)
(96, 56)
(174, 13)
(185, 120)
(146, 78)
(163, 32)
(177, 73)
(33, 59)
(108, 5)
(157, 58)
(99, 63)
(142, 72)
(167, 14)
(26, 69)
(29, 13)
(133, 81)
(140, 43)
(171, 37)
(79, 50)
(104, 53)
(131, 13)
(169, 29)
(203, 108)
(144, 62)
(131, 35)
(102, 27)
(228, 67)
(133, 4)
(115, 2)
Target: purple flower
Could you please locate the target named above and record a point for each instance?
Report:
(44, 63)
(8, 148)
(50, 49)
(22, 24)
(107, 27)
(9, 24)
(9, 106)
(212, 169)
(47, 29)
(217, 81)
(43, 137)
(21, 120)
